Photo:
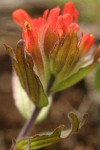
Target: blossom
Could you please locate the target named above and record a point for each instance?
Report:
(55, 46)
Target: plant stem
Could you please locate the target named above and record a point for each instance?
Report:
(29, 123)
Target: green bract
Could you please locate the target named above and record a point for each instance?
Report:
(23, 65)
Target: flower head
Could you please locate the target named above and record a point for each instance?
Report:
(54, 44)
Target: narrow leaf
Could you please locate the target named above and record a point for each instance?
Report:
(29, 60)
(23, 65)
(18, 72)
(79, 75)
(72, 56)
(33, 86)
(63, 54)
(40, 141)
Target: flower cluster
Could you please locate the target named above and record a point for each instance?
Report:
(50, 57)
(55, 47)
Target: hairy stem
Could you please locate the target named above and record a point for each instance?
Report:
(29, 123)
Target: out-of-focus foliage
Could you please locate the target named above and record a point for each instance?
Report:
(88, 9)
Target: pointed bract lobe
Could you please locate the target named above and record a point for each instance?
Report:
(86, 43)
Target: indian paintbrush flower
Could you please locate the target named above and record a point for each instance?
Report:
(50, 57)
(53, 50)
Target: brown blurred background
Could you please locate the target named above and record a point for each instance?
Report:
(82, 97)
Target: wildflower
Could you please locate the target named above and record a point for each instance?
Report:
(56, 50)
(51, 57)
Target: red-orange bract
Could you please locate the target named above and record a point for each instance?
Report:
(53, 42)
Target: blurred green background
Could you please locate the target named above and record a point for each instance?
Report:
(89, 10)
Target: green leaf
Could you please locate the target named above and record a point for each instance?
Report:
(23, 102)
(76, 77)
(23, 65)
(40, 141)
(63, 54)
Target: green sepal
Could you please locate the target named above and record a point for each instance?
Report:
(64, 55)
(73, 79)
(43, 140)
(23, 65)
